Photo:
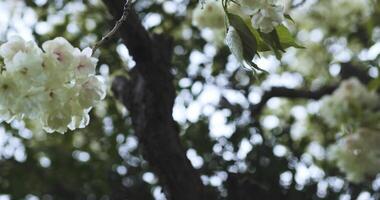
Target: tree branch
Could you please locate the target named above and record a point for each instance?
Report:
(149, 96)
(348, 70)
(134, 35)
(290, 94)
(109, 35)
(296, 5)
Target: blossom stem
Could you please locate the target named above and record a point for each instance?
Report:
(115, 29)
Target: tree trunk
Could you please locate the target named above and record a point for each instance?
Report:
(149, 96)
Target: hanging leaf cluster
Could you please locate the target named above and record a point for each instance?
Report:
(254, 41)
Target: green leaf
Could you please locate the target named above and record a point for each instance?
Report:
(283, 35)
(254, 41)
(247, 37)
(261, 45)
(273, 41)
(287, 16)
(278, 40)
(286, 38)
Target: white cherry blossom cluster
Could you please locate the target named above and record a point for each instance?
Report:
(346, 15)
(55, 86)
(209, 17)
(266, 14)
(352, 111)
(208, 14)
(358, 154)
(352, 103)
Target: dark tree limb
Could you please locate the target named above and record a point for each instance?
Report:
(298, 4)
(290, 94)
(348, 70)
(149, 96)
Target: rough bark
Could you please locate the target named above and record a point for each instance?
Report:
(149, 96)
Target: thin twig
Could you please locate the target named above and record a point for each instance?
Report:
(298, 4)
(115, 29)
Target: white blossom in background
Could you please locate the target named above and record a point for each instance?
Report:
(346, 15)
(55, 87)
(266, 14)
(358, 154)
(352, 103)
(209, 14)
(209, 17)
(357, 151)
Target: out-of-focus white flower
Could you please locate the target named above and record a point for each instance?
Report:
(352, 103)
(215, 36)
(55, 88)
(346, 15)
(353, 106)
(358, 154)
(208, 14)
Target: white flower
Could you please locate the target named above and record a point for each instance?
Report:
(19, 54)
(267, 19)
(31, 103)
(266, 14)
(345, 17)
(60, 49)
(58, 121)
(351, 104)
(92, 91)
(6, 115)
(214, 36)
(209, 14)
(57, 73)
(86, 65)
(9, 92)
(14, 45)
(79, 121)
(358, 154)
(55, 88)
(209, 17)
